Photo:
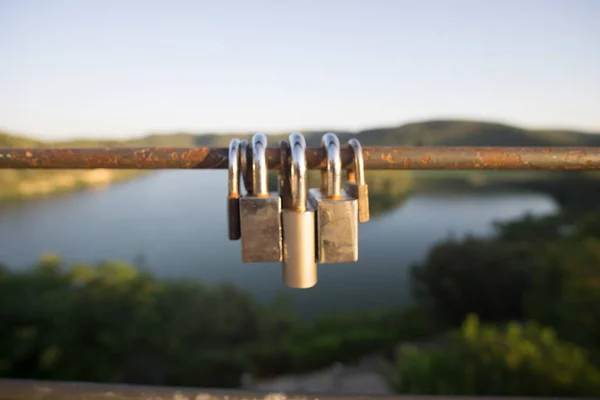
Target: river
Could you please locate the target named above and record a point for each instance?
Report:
(173, 224)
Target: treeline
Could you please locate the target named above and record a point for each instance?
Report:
(426, 133)
(113, 323)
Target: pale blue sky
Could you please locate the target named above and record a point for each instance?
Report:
(123, 68)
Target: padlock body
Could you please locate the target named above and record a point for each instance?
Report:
(233, 218)
(361, 194)
(260, 226)
(336, 227)
(299, 265)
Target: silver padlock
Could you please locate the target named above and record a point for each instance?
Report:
(299, 265)
(233, 196)
(355, 185)
(260, 213)
(337, 212)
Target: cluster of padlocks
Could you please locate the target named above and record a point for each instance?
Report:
(296, 226)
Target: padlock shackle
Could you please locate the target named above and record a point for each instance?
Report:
(358, 165)
(331, 144)
(259, 165)
(284, 186)
(245, 168)
(298, 171)
(234, 168)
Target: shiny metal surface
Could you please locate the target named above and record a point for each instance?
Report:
(233, 197)
(356, 186)
(259, 165)
(333, 185)
(337, 227)
(299, 266)
(298, 171)
(234, 168)
(261, 228)
(245, 168)
(336, 211)
(260, 214)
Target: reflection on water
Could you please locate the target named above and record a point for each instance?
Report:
(175, 222)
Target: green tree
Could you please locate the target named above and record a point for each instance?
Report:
(481, 276)
(566, 291)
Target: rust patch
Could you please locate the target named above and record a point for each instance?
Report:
(387, 157)
(573, 156)
(498, 159)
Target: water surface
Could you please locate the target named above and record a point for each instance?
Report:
(174, 222)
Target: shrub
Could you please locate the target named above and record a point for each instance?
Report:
(525, 360)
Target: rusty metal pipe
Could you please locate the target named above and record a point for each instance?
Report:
(375, 158)
(17, 389)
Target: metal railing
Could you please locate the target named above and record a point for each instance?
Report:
(14, 389)
(376, 158)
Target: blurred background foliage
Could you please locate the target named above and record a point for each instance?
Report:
(113, 323)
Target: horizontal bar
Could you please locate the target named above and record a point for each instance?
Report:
(377, 158)
(14, 389)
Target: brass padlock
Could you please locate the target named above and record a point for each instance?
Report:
(233, 196)
(260, 213)
(356, 186)
(299, 265)
(337, 212)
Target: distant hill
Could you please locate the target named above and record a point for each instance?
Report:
(427, 133)
(472, 133)
(8, 140)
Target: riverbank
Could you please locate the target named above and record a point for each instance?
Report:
(25, 184)
(30, 183)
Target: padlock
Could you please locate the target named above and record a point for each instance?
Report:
(233, 196)
(299, 265)
(260, 213)
(356, 186)
(337, 212)
(245, 167)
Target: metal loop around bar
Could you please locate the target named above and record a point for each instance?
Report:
(234, 167)
(331, 144)
(358, 165)
(245, 168)
(259, 165)
(298, 171)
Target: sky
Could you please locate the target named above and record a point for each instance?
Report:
(124, 68)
